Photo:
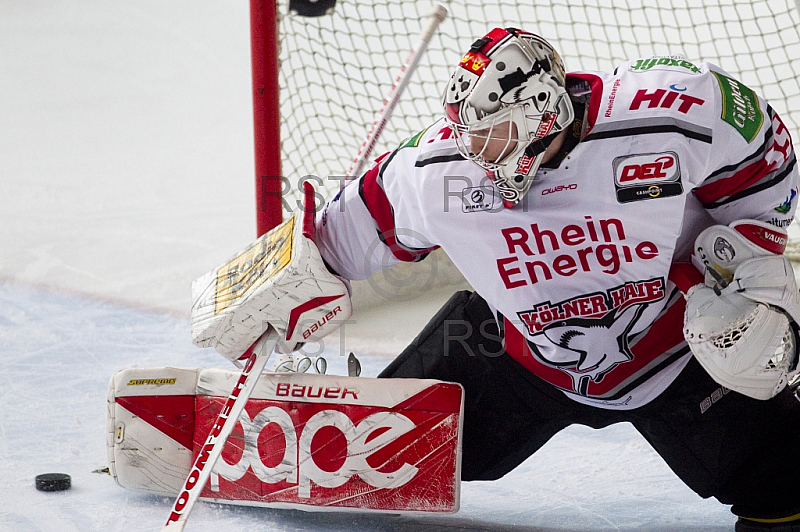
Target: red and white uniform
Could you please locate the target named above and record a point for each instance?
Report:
(582, 270)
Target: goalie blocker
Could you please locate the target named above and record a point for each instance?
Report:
(303, 441)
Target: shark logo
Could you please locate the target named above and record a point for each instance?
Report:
(589, 348)
(724, 250)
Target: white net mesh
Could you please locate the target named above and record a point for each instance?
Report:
(337, 69)
(728, 338)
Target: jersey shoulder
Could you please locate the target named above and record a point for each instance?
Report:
(702, 94)
(422, 161)
(434, 144)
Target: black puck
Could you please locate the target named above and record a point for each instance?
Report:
(53, 482)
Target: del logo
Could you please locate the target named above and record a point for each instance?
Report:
(647, 176)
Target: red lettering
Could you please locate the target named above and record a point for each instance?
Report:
(520, 240)
(349, 391)
(182, 500)
(564, 265)
(529, 318)
(687, 102)
(654, 289)
(524, 165)
(651, 171)
(530, 266)
(669, 99)
(506, 273)
(584, 307)
(598, 304)
(198, 464)
(630, 172)
(539, 237)
(646, 250)
(626, 252)
(666, 161)
(572, 235)
(664, 99)
(654, 170)
(652, 99)
(582, 253)
(332, 393)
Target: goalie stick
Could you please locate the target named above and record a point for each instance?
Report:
(223, 427)
(434, 18)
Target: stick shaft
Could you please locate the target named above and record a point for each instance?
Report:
(222, 428)
(434, 18)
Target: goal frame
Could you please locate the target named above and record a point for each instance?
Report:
(266, 113)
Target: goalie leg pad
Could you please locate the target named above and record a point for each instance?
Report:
(150, 428)
(303, 441)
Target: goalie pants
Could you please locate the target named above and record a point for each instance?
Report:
(742, 451)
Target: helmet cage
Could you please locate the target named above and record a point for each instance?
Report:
(500, 137)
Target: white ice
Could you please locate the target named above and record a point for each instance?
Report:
(126, 172)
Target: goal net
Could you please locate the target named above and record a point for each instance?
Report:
(336, 69)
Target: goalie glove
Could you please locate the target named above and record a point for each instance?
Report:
(741, 324)
(279, 280)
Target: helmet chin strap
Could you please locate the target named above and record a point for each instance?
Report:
(540, 145)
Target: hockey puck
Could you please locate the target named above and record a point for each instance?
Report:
(53, 482)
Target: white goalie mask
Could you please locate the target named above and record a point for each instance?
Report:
(506, 102)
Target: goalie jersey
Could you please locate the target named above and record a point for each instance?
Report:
(582, 272)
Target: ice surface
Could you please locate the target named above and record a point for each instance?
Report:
(59, 352)
(125, 173)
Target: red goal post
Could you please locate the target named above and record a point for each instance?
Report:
(322, 79)
(266, 113)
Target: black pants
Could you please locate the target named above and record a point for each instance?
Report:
(742, 451)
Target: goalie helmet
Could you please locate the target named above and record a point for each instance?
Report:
(506, 102)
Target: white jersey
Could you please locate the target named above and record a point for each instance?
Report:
(582, 273)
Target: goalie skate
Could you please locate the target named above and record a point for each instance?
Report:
(304, 441)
